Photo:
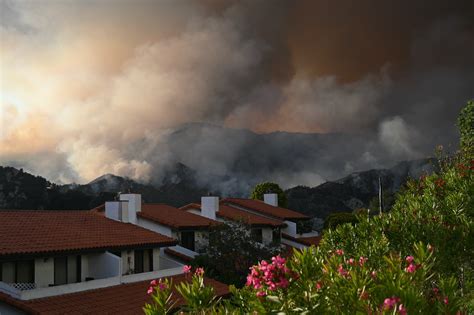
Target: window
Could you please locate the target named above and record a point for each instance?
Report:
(138, 261)
(276, 235)
(187, 239)
(256, 235)
(22, 271)
(67, 269)
(143, 260)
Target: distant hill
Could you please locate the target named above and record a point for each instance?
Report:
(180, 185)
(356, 190)
(21, 190)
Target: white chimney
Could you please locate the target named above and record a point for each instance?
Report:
(116, 210)
(134, 206)
(209, 206)
(271, 199)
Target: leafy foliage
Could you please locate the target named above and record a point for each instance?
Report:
(267, 187)
(336, 219)
(466, 129)
(230, 253)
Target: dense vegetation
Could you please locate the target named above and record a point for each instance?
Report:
(267, 187)
(417, 258)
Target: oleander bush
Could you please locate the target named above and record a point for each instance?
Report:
(416, 259)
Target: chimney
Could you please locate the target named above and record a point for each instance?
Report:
(209, 206)
(271, 199)
(134, 206)
(116, 210)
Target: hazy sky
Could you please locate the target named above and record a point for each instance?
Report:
(80, 80)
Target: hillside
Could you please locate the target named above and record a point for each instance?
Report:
(356, 190)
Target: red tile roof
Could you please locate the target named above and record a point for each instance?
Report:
(182, 257)
(120, 299)
(266, 209)
(28, 232)
(308, 241)
(169, 216)
(235, 214)
(174, 217)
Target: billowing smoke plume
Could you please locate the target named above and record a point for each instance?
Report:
(88, 88)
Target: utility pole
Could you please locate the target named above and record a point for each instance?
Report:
(380, 196)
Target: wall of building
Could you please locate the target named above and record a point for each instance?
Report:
(156, 259)
(103, 265)
(128, 262)
(155, 227)
(44, 272)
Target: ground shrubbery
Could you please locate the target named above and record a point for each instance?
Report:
(417, 258)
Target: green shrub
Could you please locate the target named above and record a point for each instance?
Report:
(335, 219)
(267, 187)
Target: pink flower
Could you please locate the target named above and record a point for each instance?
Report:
(362, 260)
(342, 271)
(150, 290)
(153, 283)
(261, 293)
(351, 261)
(412, 268)
(199, 272)
(402, 310)
(319, 285)
(446, 300)
(187, 269)
(162, 286)
(389, 303)
(409, 259)
(373, 274)
(339, 252)
(278, 260)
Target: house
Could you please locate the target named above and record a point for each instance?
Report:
(263, 230)
(295, 227)
(45, 255)
(190, 230)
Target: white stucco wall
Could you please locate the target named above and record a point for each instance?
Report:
(128, 262)
(103, 265)
(290, 228)
(84, 267)
(155, 227)
(44, 272)
(156, 259)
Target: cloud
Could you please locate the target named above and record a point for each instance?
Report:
(101, 88)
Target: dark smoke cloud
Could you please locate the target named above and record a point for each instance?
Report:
(101, 89)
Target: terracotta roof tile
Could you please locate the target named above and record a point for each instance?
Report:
(174, 217)
(266, 209)
(235, 214)
(169, 216)
(120, 299)
(308, 241)
(25, 232)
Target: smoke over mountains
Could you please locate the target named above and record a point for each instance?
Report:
(89, 88)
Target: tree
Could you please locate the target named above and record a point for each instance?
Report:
(466, 129)
(335, 219)
(230, 253)
(268, 187)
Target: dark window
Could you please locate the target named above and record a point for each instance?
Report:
(67, 270)
(256, 235)
(18, 271)
(138, 261)
(276, 236)
(187, 239)
(143, 260)
(60, 270)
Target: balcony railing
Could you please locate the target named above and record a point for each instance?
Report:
(23, 286)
